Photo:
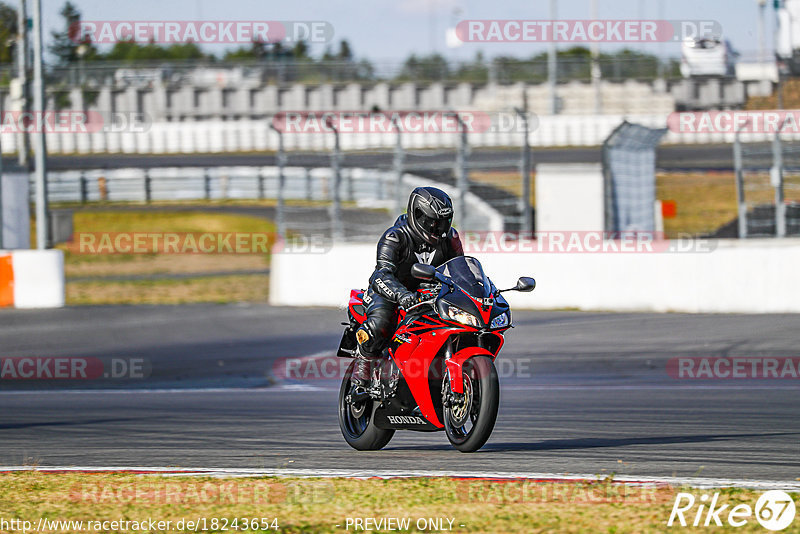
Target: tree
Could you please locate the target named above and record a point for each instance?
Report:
(256, 51)
(8, 32)
(473, 71)
(300, 50)
(427, 68)
(345, 53)
(65, 43)
(130, 51)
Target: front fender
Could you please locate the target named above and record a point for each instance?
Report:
(456, 362)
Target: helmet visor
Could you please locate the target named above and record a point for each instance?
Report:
(436, 227)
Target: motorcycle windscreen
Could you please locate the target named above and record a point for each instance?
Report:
(468, 274)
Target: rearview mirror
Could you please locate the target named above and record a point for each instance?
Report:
(423, 271)
(525, 284)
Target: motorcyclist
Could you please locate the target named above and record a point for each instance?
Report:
(424, 234)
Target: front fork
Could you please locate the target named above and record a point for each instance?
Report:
(455, 361)
(449, 396)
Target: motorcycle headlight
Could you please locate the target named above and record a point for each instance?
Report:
(500, 321)
(459, 315)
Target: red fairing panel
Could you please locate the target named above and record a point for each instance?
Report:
(414, 359)
(356, 299)
(456, 363)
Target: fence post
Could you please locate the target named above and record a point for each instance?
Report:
(776, 177)
(552, 65)
(462, 177)
(337, 231)
(207, 183)
(40, 142)
(737, 162)
(350, 191)
(281, 160)
(525, 169)
(309, 194)
(147, 186)
(84, 188)
(397, 164)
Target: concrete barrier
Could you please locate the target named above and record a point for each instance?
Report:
(217, 136)
(736, 276)
(32, 278)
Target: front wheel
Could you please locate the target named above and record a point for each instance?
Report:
(469, 419)
(356, 420)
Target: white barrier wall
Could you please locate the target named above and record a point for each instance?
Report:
(569, 197)
(35, 278)
(739, 276)
(218, 136)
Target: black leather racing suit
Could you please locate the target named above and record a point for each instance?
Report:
(398, 250)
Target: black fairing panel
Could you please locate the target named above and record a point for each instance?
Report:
(347, 345)
(403, 404)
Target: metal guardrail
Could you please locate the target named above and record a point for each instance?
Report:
(212, 183)
(286, 69)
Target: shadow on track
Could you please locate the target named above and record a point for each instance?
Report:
(18, 426)
(592, 443)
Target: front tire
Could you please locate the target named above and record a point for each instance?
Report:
(469, 423)
(356, 421)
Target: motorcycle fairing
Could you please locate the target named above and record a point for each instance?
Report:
(455, 365)
(356, 305)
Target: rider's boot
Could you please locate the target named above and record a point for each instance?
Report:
(362, 373)
(361, 378)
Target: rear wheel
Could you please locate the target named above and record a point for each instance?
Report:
(356, 420)
(469, 419)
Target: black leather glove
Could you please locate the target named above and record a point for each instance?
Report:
(408, 300)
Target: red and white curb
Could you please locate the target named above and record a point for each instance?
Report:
(695, 482)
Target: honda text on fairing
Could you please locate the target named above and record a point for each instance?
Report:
(439, 372)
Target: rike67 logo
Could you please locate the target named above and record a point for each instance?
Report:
(774, 511)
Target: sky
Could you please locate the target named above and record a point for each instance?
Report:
(385, 30)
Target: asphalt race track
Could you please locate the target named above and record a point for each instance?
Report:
(582, 393)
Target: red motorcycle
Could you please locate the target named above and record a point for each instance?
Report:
(439, 370)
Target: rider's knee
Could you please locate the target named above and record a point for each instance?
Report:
(368, 342)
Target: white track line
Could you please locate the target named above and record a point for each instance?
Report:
(304, 387)
(695, 482)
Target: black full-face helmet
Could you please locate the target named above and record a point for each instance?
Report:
(430, 214)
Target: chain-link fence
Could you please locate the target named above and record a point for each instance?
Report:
(767, 187)
(338, 195)
(305, 203)
(504, 69)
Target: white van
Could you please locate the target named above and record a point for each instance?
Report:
(707, 56)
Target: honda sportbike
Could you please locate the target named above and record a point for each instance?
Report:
(438, 370)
